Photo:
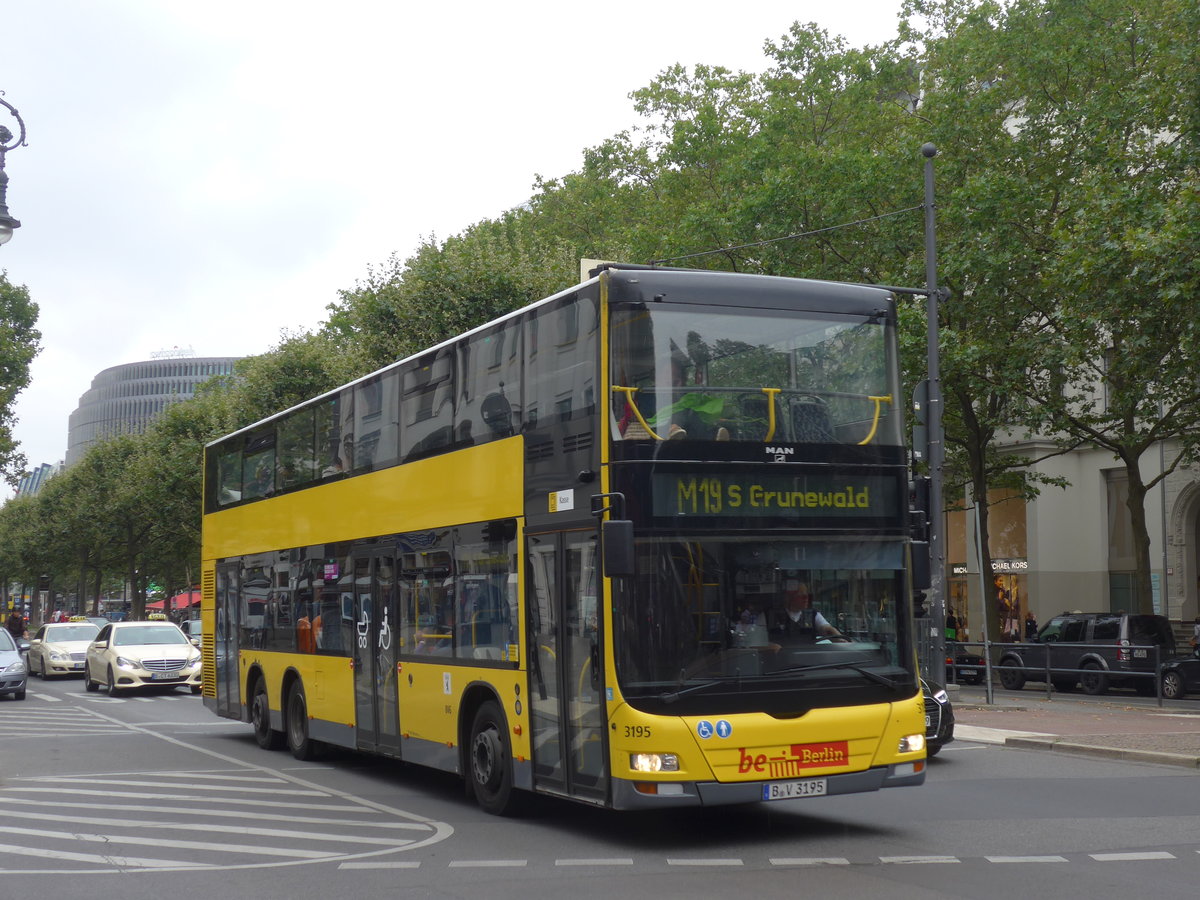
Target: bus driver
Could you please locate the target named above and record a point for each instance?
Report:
(798, 622)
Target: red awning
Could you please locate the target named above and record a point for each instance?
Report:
(185, 600)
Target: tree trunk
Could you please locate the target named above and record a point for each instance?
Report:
(1143, 594)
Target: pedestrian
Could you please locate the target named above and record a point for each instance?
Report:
(16, 625)
(1196, 633)
(1031, 626)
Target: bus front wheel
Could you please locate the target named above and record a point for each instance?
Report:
(302, 746)
(491, 770)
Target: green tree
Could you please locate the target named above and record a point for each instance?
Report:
(445, 289)
(1084, 198)
(19, 344)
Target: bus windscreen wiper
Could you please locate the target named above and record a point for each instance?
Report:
(672, 696)
(845, 664)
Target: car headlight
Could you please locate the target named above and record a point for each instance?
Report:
(126, 663)
(59, 655)
(194, 660)
(15, 668)
(941, 696)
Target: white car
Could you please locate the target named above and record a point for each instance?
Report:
(60, 648)
(138, 654)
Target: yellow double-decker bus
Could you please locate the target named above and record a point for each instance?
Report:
(644, 543)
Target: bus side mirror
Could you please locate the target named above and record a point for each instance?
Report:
(922, 576)
(616, 540)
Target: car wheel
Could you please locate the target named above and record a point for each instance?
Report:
(1172, 686)
(931, 751)
(19, 695)
(1012, 678)
(196, 689)
(1093, 680)
(88, 684)
(260, 718)
(302, 746)
(490, 764)
(113, 690)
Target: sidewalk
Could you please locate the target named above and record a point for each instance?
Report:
(1168, 735)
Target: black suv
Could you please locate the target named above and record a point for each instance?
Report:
(1102, 648)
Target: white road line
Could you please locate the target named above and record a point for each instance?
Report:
(127, 862)
(257, 802)
(917, 860)
(488, 863)
(1126, 857)
(812, 861)
(222, 828)
(1026, 859)
(704, 862)
(80, 792)
(614, 861)
(379, 865)
(49, 698)
(160, 841)
(8, 802)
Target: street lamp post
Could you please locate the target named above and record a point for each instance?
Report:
(8, 142)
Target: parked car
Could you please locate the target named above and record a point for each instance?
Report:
(60, 648)
(965, 668)
(939, 718)
(1181, 676)
(12, 666)
(1093, 650)
(137, 654)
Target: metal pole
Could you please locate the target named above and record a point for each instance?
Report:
(984, 601)
(936, 457)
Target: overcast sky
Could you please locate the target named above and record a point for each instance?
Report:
(206, 175)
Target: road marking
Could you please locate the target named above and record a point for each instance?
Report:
(161, 841)
(1026, 859)
(222, 813)
(124, 862)
(379, 865)
(811, 861)
(704, 862)
(614, 861)
(918, 860)
(488, 863)
(1125, 857)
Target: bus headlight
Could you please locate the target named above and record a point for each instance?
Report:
(912, 743)
(654, 762)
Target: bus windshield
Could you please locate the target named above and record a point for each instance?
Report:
(742, 374)
(713, 618)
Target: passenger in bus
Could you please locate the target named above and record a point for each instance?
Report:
(697, 413)
(797, 622)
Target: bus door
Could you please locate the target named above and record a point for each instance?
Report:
(375, 610)
(225, 642)
(566, 682)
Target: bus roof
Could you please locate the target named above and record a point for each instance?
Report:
(632, 282)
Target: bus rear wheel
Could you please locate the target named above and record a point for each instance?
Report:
(302, 746)
(260, 718)
(490, 768)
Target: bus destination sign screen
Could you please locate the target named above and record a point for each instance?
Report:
(775, 496)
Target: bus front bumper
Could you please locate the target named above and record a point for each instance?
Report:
(629, 794)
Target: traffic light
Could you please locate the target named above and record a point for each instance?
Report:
(918, 507)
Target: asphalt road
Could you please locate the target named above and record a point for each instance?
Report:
(150, 796)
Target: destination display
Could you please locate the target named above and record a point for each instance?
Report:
(765, 495)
